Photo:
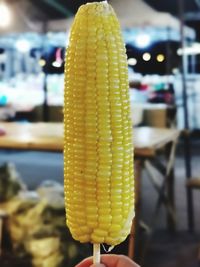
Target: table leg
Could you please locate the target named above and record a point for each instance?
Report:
(131, 243)
(135, 222)
(3, 216)
(160, 187)
(170, 192)
(165, 188)
(1, 232)
(170, 155)
(198, 256)
(164, 185)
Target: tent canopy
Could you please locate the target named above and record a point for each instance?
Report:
(134, 15)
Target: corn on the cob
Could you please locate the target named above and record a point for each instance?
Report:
(98, 149)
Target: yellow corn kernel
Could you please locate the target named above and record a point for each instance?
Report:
(98, 149)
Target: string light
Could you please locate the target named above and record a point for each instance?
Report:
(5, 15)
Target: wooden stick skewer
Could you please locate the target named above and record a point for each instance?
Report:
(96, 253)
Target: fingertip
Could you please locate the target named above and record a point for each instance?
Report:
(85, 263)
(113, 260)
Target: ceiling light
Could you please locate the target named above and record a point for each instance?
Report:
(57, 64)
(160, 57)
(146, 56)
(42, 62)
(132, 61)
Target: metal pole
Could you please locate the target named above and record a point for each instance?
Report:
(45, 103)
(168, 52)
(187, 152)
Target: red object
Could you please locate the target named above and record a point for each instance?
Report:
(144, 87)
(2, 132)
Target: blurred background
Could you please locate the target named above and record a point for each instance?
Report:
(163, 49)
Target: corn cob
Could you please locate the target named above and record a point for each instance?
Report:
(98, 149)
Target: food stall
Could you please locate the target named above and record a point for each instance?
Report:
(31, 69)
(26, 70)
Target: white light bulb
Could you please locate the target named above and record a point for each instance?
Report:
(146, 56)
(5, 16)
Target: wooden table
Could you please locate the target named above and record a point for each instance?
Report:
(148, 142)
(49, 137)
(32, 136)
